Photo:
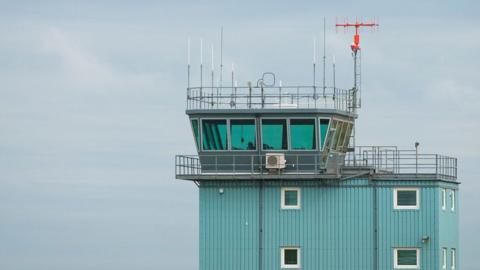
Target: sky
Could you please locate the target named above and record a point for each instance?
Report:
(92, 100)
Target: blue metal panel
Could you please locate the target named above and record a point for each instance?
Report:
(335, 227)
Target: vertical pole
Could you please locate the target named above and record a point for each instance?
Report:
(416, 157)
(201, 72)
(314, 71)
(221, 56)
(213, 72)
(324, 52)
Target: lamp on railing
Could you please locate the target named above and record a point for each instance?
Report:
(417, 144)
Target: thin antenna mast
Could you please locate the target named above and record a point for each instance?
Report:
(314, 64)
(188, 63)
(213, 73)
(324, 53)
(221, 56)
(201, 72)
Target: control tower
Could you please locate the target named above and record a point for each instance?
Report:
(282, 185)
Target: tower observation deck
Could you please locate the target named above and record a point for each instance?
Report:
(282, 183)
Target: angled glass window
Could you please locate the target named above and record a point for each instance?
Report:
(406, 198)
(340, 135)
(243, 134)
(302, 134)
(406, 258)
(290, 257)
(214, 133)
(196, 132)
(323, 131)
(274, 134)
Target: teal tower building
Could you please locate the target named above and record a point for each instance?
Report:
(282, 184)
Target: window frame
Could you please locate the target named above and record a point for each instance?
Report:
(282, 198)
(289, 136)
(230, 134)
(443, 198)
(227, 120)
(453, 258)
(406, 207)
(452, 200)
(395, 258)
(282, 257)
(444, 258)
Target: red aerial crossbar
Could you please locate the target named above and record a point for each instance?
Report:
(356, 39)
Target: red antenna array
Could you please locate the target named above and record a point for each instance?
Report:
(356, 38)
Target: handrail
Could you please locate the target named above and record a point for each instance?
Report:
(382, 160)
(270, 97)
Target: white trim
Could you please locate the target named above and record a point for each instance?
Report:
(406, 207)
(443, 198)
(453, 258)
(282, 198)
(452, 200)
(282, 258)
(444, 258)
(395, 259)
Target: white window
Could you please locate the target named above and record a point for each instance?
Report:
(406, 198)
(290, 257)
(452, 200)
(406, 258)
(444, 258)
(290, 198)
(454, 262)
(444, 199)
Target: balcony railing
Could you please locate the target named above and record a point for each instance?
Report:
(271, 97)
(382, 160)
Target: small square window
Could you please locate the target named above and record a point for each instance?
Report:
(452, 200)
(290, 198)
(290, 257)
(406, 198)
(454, 262)
(444, 199)
(406, 258)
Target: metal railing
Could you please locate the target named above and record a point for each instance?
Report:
(271, 97)
(390, 159)
(384, 160)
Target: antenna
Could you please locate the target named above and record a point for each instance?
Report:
(355, 46)
(188, 63)
(221, 56)
(213, 72)
(324, 53)
(314, 63)
(201, 72)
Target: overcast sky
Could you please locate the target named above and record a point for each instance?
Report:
(92, 97)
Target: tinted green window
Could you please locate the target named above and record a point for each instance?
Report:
(323, 131)
(302, 134)
(243, 134)
(291, 256)
(406, 197)
(291, 197)
(274, 134)
(407, 257)
(195, 131)
(214, 134)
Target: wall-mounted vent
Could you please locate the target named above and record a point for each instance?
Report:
(275, 161)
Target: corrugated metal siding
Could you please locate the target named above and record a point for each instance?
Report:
(334, 228)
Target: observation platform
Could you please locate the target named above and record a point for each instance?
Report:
(377, 162)
(272, 98)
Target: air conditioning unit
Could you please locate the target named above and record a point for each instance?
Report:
(275, 161)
